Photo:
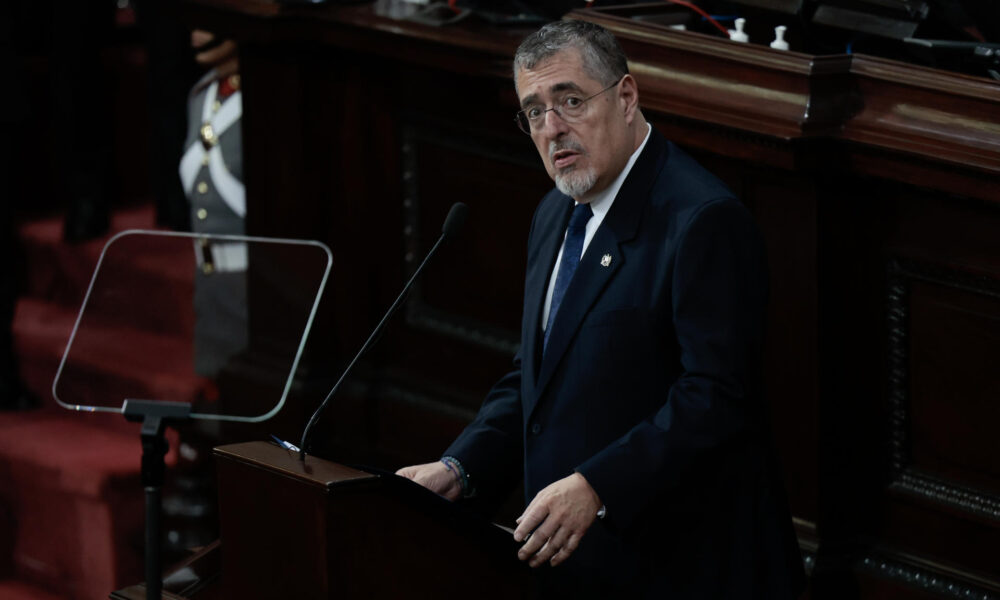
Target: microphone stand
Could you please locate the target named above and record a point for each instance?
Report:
(453, 222)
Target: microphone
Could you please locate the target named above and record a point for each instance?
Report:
(452, 225)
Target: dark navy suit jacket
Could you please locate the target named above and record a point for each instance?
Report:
(650, 388)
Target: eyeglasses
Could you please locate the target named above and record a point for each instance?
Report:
(570, 109)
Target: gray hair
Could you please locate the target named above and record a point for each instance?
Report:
(603, 58)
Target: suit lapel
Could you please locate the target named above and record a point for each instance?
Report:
(603, 258)
(599, 263)
(537, 284)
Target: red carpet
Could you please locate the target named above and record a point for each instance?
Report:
(19, 590)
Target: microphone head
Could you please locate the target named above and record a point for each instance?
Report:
(455, 220)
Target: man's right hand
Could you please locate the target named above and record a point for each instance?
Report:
(436, 477)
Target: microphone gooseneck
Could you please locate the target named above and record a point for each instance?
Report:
(455, 220)
(452, 226)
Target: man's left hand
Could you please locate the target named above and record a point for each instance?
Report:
(555, 521)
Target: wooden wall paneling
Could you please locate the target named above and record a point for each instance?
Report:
(882, 534)
(944, 329)
(420, 373)
(463, 318)
(316, 187)
(883, 578)
(943, 302)
(785, 209)
(502, 184)
(950, 546)
(850, 338)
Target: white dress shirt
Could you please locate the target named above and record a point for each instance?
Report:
(601, 204)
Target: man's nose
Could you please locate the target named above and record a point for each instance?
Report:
(553, 123)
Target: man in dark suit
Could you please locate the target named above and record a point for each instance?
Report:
(634, 412)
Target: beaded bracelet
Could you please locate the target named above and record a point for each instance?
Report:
(451, 469)
(455, 466)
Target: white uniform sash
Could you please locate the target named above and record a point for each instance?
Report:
(230, 188)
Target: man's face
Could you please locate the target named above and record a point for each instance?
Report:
(582, 157)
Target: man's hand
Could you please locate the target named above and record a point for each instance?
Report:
(436, 477)
(555, 521)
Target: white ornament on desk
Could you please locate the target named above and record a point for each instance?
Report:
(737, 34)
(779, 42)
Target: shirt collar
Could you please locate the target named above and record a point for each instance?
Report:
(602, 202)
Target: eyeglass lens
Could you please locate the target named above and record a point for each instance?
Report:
(570, 109)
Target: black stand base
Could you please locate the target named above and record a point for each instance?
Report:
(155, 417)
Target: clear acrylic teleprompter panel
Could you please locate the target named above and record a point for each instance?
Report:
(180, 317)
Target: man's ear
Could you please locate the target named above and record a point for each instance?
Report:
(628, 98)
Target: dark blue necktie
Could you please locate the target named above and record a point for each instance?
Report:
(572, 249)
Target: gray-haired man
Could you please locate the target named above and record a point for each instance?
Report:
(633, 413)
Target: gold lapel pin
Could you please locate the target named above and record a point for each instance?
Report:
(606, 260)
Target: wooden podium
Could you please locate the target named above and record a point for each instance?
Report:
(318, 530)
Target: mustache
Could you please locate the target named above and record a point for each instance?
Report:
(556, 146)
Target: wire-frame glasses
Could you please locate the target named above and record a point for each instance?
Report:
(570, 109)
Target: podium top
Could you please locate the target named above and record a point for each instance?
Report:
(317, 529)
(315, 471)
